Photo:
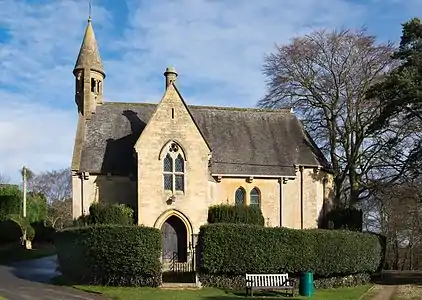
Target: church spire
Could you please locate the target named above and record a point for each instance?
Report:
(89, 74)
(89, 54)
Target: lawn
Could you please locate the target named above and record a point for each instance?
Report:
(14, 253)
(127, 293)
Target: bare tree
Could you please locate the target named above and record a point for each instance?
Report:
(324, 77)
(397, 216)
(60, 213)
(4, 179)
(55, 185)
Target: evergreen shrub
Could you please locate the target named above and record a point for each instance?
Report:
(243, 214)
(232, 250)
(110, 255)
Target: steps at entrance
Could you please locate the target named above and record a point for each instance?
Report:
(179, 286)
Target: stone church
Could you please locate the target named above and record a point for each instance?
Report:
(170, 161)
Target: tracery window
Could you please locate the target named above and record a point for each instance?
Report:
(174, 169)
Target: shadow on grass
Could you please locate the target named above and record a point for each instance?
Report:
(255, 297)
(398, 278)
(63, 281)
(258, 295)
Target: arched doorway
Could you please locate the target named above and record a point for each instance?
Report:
(175, 239)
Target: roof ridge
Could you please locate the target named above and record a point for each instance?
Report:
(132, 103)
(278, 110)
(242, 108)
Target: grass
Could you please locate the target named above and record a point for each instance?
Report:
(128, 293)
(14, 252)
(408, 292)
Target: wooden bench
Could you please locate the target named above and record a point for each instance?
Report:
(269, 282)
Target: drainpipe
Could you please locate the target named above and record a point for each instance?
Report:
(324, 203)
(82, 193)
(281, 200)
(83, 176)
(301, 196)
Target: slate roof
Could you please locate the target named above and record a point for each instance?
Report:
(243, 141)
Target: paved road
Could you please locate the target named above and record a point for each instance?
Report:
(29, 280)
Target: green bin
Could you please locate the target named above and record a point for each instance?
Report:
(306, 284)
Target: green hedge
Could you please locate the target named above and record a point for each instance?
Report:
(225, 213)
(25, 225)
(349, 218)
(43, 233)
(236, 249)
(10, 232)
(10, 200)
(110, 255)
(118, 214)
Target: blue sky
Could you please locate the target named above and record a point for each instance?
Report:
(217, 47)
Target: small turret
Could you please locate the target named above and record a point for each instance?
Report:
(170, 75)
(89, 74)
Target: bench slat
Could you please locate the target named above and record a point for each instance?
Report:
(267, 280)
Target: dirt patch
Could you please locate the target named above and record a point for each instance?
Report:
(408, 292)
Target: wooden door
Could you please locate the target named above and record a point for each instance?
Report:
(170, 241)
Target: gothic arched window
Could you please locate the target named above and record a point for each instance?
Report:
(255, 198)
(239, 196)
(174, 169)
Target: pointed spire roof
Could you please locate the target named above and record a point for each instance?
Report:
(89, 54)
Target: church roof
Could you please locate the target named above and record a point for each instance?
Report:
(243, 141)
(89, 54)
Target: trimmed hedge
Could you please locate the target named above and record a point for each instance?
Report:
(243, 214)
(229, 250)
(118, 214)
(110, 255)
(10, 231)
(43, 233)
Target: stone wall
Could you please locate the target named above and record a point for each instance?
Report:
(108, 189)
(170, 123)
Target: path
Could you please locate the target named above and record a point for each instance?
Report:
(389, 281)
(28, 280)
(385, 292)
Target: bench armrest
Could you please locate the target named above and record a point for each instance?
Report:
(292, 281)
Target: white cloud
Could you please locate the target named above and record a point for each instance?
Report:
(34, 135)
(217, 47)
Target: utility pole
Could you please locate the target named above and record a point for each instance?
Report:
(24, 190)
(25, 242)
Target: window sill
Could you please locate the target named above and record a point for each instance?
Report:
(169, 192)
